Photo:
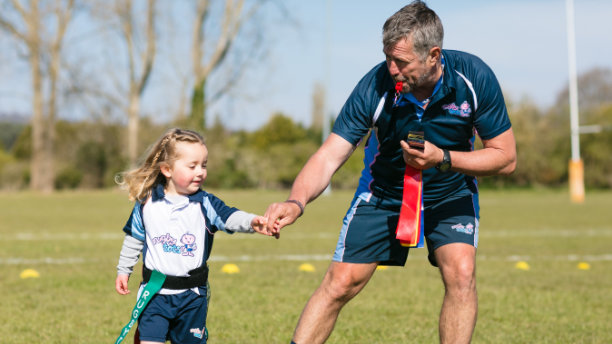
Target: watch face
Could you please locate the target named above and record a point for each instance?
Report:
(445, 166)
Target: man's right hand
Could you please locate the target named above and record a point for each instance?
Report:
(280, 215)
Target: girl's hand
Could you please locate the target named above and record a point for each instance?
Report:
(121, 284)
(260, 225)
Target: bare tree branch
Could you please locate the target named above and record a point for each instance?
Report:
(20, 8)
(12, 30)
(198, 37)
(230, 26)
(149, 54)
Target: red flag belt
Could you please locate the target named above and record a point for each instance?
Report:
(410, 225)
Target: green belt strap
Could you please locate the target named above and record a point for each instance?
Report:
(152, 287)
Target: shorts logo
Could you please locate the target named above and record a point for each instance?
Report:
(467, 229)
(464, 110)
(197, 332)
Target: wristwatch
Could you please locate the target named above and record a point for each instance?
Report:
(445, 164)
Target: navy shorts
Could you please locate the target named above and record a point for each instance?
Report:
(180, 318)
(368, 230)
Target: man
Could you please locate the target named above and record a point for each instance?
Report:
(447, 95)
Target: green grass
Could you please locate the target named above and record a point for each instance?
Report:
(73, 239)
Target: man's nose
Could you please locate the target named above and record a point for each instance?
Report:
(392, 66)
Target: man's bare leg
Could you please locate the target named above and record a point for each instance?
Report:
(341, 283)
(457, 264)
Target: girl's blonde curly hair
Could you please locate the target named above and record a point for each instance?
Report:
(140, 181)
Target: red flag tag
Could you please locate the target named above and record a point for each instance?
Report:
(410, 224)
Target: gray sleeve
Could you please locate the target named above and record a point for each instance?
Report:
(240, 221)
(128, 257)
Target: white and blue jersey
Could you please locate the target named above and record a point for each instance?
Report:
(178, 231)
(468, 100)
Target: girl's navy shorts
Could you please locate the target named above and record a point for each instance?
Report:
(180, 318)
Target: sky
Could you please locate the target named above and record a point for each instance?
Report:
(335, 42)
(338, 41)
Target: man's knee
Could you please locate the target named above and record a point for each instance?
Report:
(461, 277)
(343, 282)
(458, 267)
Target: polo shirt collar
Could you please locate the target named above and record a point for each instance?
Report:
(158, 194)
(449, 79)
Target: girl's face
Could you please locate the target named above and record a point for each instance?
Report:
(187, 173)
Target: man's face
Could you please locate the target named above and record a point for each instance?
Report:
(405, 66)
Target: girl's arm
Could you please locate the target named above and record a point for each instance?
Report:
(241, 221)
(128, 257)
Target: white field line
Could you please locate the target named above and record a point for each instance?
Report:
(43, 261)
(307, 258)
(118, 235)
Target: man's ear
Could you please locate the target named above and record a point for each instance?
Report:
(435, 54)
(165, 170)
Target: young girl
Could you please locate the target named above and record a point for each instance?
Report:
(173, 223)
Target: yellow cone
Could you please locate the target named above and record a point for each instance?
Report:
(584, 266)
(522, 266)
(382, 267)
(29, 273)
(307, 267)
(230, 269)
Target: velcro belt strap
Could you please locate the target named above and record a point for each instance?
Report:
(197, 278)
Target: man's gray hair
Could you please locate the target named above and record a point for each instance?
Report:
(418, 22)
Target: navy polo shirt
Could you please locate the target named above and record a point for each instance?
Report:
(469, 100)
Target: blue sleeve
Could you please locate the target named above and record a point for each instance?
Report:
(355, 118)
(134, 225)
(491, 117)
(216, 213)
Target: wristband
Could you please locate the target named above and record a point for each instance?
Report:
(298, 203)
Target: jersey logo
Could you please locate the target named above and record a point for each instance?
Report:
(171, 245)
(464, 110)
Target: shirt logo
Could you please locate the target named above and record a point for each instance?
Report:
(171, 245)
(464, 110)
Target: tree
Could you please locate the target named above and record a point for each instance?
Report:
(137, 78)
(219, 40)
(594, 89)
(280, 129)
(318, 107)
(595, 102)
(27, 25)
(597, 149)
(139, 43)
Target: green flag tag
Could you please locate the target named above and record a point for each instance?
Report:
(150, 289)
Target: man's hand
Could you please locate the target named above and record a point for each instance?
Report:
(280, 215)
(422, 159)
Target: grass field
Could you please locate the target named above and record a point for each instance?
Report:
(73, 240)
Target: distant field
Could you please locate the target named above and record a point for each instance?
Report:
(73, 239)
